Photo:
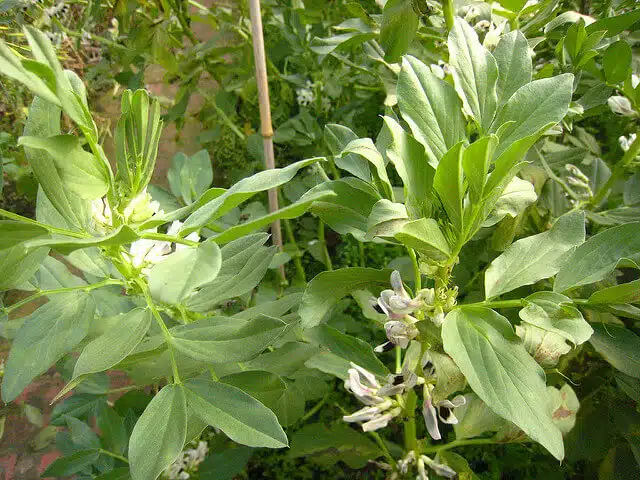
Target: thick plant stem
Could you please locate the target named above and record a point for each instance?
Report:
(618, 171)
(265, 116)
(410, 440)
(447, 9)
(323, 245)
(46, 293)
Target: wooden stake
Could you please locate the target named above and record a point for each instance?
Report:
(265, 115)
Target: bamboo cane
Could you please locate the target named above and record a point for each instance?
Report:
(265, 115)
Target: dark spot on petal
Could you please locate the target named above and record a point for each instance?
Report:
(378, 308)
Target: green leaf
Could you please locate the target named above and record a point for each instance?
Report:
(80, 172)
(476, 159)
(44, 121)
(337, 138)
(501, 372)
(244, 263)
(69, 465)
(178, 275)
(424, 235)
(366, 149)
(113, 434)
(431, 108)
(536, 257)
(515, 198)
(532, 107)
(225, 465)
(615, 25)
(46, 335)
(327, 288)
(18, 264)
(345, 346)
(398, 28)
(266, 387)
(54, 274)
(241, 417)
(624, 293)
(616, 62)
(13, 233)
(159, 434)
(115, 344)
(222, 340)
(386, 219)
(448, 183)
(598, 257)
(196, 176)
(241, 191)
(327, 445)
(290, 211)
(619, 346)
(514, 65)
(285, 360)
(115, 474)
(553, 312)
(475, 73)
(412, 164)
(347, 211)
(13, 67)
(174, 173)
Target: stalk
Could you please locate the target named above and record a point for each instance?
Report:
(265, 116)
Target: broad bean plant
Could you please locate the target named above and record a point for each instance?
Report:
(165, 291)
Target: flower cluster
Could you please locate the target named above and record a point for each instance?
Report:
(380, 407)
(579, 181)
(187, 462)
(422, 462)
(398, 306)
(305, 96)
(625, 142)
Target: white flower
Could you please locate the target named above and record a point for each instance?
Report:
(380, 409)
(145, 251)
(625, 142)
(141, 208)
(621, 106)
(493, 36)
(437, 70)
(442, 410)
(635, 81)
(101, 214)
(305, 96)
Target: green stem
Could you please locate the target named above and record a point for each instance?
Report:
(417, 276)
(225, 119)
(383, 447)
(398, 360)
(46, 293)
(60, 231)
(114, 455)
(288, 231)
(447, 9)
(459, 443)
(363, 262)
(323, 245)
(618, 171)
(168, 238)
(165, 331)
(314, 409)
(410, 440)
